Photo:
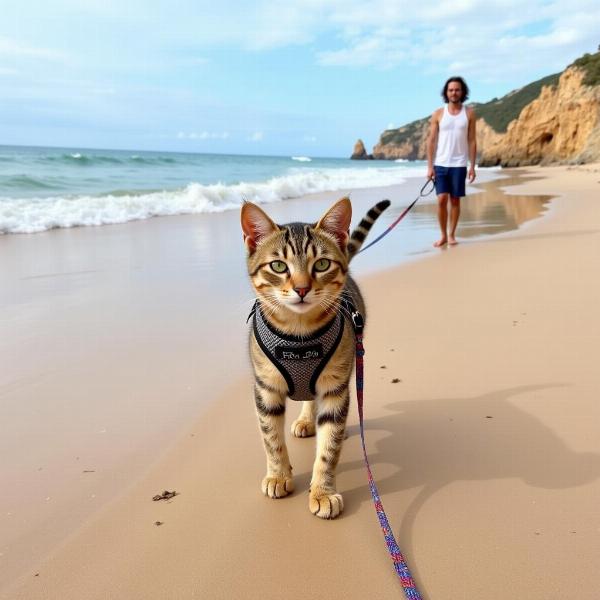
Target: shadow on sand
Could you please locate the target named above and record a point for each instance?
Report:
(433, 443)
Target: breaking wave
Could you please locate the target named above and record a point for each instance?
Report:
(30, 215)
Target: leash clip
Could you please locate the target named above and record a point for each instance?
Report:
(358, 322)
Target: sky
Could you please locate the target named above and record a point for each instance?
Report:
(303, 77)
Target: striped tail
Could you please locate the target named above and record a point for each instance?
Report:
(360, 233)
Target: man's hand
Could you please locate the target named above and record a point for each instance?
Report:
(471, 175)
(430, 173)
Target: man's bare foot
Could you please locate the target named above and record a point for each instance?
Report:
(440, 243)
(452, 241)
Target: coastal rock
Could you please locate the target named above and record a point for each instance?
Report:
(359, 152)
(408, 142)
(561, 125)
(486, 135)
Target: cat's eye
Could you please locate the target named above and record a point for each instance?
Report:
(279, 266)
(322, 264)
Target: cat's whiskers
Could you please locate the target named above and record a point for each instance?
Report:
(242, 305)
(269, 304)
(334, 301)
(328, 302)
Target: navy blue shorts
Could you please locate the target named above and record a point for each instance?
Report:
(450, 180)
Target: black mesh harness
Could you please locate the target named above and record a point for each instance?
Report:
(299, 359)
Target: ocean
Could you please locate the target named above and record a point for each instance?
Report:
(47, 188)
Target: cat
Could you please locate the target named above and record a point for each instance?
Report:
(302, 342)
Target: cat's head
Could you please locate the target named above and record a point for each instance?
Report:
(298, 267)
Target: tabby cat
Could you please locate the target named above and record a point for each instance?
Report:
(302, 341)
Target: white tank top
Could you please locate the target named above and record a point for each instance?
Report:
(453, 146)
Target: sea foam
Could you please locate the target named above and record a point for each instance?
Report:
(30, 215)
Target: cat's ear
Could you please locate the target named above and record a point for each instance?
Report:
(337, 221)
(256, 225)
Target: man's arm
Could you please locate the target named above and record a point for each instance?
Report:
(472, 140)
(434, 128)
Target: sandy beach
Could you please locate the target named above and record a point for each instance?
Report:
(486, 451)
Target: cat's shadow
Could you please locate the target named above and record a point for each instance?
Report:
(432, 443)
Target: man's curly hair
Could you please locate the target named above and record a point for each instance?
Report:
(463, 83)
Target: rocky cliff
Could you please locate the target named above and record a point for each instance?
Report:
(562, 125)
(406, 142)
(554, 119)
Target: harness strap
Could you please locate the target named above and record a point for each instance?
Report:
(408, 584)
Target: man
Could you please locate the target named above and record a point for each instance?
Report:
(452, 141)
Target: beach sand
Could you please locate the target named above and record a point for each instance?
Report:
(486, 452)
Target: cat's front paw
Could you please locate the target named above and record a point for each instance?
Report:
(326, 505)
(303, 428)
(277, 487)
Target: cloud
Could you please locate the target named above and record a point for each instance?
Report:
(379, 34)
(382, 50)
(10, 48)
(473, 36)
(257, 136)
(204, 135)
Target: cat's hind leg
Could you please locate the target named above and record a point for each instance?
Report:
(304, 425)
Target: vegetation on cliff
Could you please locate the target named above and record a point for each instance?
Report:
(403, 134)
(590, 63)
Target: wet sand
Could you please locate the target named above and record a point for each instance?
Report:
(471, 332)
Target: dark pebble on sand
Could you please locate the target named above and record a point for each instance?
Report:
(166, 495)
(159, 523)
(396, 380)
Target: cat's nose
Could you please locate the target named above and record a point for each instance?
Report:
(302, 291)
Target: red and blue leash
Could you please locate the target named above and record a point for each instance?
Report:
(425, 191)
(400, 566)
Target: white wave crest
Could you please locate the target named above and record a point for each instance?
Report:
(30, 215)
(302, 158)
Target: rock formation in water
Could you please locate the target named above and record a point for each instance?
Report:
(359, 152)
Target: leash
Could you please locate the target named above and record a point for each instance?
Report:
(402, 570)
(400, 566)
(422, 194)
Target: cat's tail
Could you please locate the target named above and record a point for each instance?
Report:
(360, 233)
